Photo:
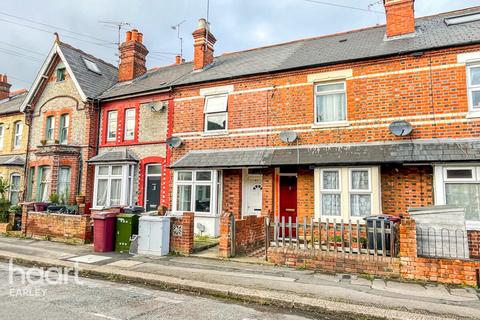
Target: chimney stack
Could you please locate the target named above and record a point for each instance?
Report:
(203, 42)
(132, 56)
(178, 59)
(400, 17)
(4, 87)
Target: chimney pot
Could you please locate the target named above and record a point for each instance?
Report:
(128, 36)
(140, 37)
(178, 59)
(400, 17)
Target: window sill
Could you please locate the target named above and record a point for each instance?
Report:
(330, 124)
(215, 133)
(473, 114)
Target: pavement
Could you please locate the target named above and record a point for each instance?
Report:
(256, 283)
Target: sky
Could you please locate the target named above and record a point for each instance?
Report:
(237, 25)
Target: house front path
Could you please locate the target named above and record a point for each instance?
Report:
(259, 283)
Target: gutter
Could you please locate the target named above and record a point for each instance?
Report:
(133, 95)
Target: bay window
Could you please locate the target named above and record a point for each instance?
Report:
(113, 185)
(330, 102)
(112, 125)
(129, 124)
(43, 187)
(216, 112)
(195, 191)
(63, 187)
(347, 192)
(460, 186)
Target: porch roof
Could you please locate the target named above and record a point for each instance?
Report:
(438, 150)
(114, 156)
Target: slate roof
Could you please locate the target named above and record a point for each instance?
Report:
(125, 155)
(12, 104)
(15, 160)
(92, 83)
(431, 32)
(337, 154)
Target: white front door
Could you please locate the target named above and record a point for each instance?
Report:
(252, 194)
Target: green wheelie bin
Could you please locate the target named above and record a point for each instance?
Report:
(127, 225)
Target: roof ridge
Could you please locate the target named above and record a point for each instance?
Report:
(342, 32)
(87, 54)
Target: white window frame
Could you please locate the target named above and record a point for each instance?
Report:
(213, 183)
(216, 113)
(125, 124)
(345, 180)
(2, 135)
(126, 194)
(65, 128)
(15, 174)
(472, 112)
(111, 123)
(331, 191)
(315, 94)
(440, 180)
(18, 133)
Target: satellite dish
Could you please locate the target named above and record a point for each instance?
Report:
(400, 128)
(174, 142)
(288, 136)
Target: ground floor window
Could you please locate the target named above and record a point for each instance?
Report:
(113, 185)
(63, 187)
(43, 187)
(347, 192)
(14, 188)
(31, 179)
(460, 186)
(196, 191)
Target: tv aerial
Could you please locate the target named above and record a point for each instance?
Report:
(288, 136)
(400, 128)
(177, 28)
(174, 142)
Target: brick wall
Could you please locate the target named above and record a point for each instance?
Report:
(335, 262)
(474, 243)
(181, 234)
(249, 235)
(232, 192)
(57, 227)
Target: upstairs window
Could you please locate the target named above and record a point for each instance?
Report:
(1, 135)
(61, 72)
(216, 113)
(129, 124)
(473, 79)
(49, 128)
(112, 125)
(330, 102)
(17, 134)
(64, 125)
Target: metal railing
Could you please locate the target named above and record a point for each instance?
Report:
(377, 238)
(442, 243)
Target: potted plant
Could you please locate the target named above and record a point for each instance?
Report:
(54, 198)
(80, 199)
(43, 142)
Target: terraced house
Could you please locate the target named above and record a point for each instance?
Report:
(63, 119)
(13, 139)
(355, 124)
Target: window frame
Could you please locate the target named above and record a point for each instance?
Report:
(68, 182)
(110, 123)
(11, 190)
(440, 181)
(126, 192)
(40, 178)
(63, 71)
(17, 134)
(345, 180)
(194, 182)
(30, 183)
(470, 88)
(216, 113)
(125, 124)
(315, 94)
(51, 129)
(2, 135)
(64, 128)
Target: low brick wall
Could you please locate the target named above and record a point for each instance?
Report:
(249, 234)
(181, 234)
(452, 271)
(334, 262)
(57, 227)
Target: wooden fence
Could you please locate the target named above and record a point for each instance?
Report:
(371, 238)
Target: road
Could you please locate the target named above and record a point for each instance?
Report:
(97, 299)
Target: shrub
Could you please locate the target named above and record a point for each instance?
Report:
(4, 206)
(54, 198)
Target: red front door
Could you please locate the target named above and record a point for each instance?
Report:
(288, 202)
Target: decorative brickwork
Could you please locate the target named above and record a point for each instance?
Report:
(181, 234)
